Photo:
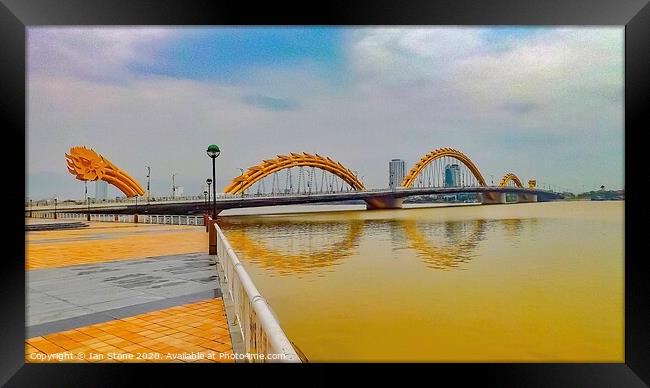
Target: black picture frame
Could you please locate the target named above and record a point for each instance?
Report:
(17, 15)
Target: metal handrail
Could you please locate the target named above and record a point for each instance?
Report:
(261, 331)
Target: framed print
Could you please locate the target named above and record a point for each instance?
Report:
(324, 185)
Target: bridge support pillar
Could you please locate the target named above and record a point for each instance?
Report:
(525, 198)
(493, 197)
(384, 203)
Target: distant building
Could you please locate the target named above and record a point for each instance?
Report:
(452, 175)
(396, 172)
(179, 191)
(101, 189)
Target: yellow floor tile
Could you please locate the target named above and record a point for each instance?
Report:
(102, 242)
(142, 335)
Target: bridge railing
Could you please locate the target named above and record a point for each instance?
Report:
(140, 201)
(261, 331)
(171, 219)
(125, 218)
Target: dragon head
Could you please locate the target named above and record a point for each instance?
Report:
(87, 165)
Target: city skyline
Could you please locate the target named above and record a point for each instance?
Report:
(544, 103)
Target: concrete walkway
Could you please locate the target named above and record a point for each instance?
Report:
(117, 309)
(111, 290)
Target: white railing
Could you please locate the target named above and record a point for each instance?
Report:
(170, 219)
(261, 332)
(125, 218)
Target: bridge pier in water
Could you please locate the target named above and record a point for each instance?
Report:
(493, 197)
(383, 203)
(526, 198)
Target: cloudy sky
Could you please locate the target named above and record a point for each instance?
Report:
(544, 103)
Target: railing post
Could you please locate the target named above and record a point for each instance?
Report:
(212, 237)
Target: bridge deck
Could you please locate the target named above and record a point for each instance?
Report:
(234, 202)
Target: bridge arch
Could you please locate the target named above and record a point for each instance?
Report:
(510, 177)
(410, 178)
(267, 167)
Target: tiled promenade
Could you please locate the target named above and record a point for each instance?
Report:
(103, 242)
(124, 293)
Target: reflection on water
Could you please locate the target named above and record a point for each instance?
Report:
(296, 246)
(306, 246)
(525, 282)
(458, 246)
(512, 227)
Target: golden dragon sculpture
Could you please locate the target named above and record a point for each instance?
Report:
(87, 165)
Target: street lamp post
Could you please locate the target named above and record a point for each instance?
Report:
(209, 182)
(30, 208)
(55, 200)
(205, 201)
(148, 183)
(86, 194)
(242, 182)
(88, 212)
(214, 151)
(173, 186)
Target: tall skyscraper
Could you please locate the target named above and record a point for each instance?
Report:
(101, 189)
(396, 172)
(452, 175)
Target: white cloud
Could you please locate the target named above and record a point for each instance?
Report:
(92, 52)
(563, 71)
(410, 54)
(555, 70)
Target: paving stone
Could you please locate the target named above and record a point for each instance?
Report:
(57, 293)
(57, 315)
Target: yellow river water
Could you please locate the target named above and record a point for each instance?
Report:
(536, 282)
